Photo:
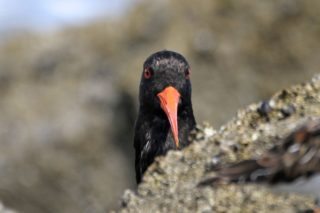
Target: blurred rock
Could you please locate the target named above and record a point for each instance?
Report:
(3, 209)
(61, 150)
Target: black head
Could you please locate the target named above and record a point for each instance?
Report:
(160, 70)
(165, 87)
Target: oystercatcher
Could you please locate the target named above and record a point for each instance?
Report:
(165, 113)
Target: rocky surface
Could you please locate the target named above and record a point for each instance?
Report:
(171, 183)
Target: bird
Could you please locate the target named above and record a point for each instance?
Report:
(291, 165)
(165, 116)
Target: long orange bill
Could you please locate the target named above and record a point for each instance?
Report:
(169, 99)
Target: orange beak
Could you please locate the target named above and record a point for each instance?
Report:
(169, 99)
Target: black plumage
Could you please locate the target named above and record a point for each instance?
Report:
(165, 113)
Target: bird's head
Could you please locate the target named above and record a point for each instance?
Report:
(165, 86)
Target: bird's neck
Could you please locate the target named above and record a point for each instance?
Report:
(159, 126)
(153, 136)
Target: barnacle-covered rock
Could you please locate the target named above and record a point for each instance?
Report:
(171, 183)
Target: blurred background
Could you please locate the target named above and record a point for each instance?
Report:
(69, 77)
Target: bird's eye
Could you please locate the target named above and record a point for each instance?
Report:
(148, 72)
(187, 73)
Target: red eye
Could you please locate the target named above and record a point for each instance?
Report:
(147, 73)
(187, 73)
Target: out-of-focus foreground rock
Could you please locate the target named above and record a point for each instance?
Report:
(68, 99)
(3, 209)
(171, 183)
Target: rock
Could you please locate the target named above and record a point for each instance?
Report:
(171, 183)
(4, 209)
